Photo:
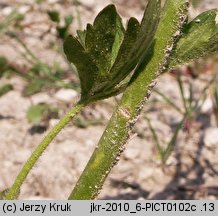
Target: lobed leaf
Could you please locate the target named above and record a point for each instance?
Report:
(87, 69)
(105, 53)
(4, 89)
(125, 61)
(103, 41)
(199, 39)
(139, 39)
(104, 37)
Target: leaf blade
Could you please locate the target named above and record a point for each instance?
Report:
(86, 67)
(137, 41)
(101, 36)
(199, 39)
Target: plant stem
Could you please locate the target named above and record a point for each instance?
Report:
(9, 20)
(180, 84)
(155, 139)
(25, 47)
(111, 144)
(169, 101)
(171, 145)
(14, 190)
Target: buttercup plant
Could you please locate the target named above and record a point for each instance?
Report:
(111, 60)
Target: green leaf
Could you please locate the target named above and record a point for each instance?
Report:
(81, 36)
(79, 57)
(37, 113)
(5, 89)
(125, 61)
(105, 54)
(148, 29)
(54, 15)
(95, 57)
(3, 65)
(62, 32)
(199, 39)
(137, 41)
(103, 38)
(68, 20)
(34, 87)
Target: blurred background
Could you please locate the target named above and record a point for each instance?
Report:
(172, 153)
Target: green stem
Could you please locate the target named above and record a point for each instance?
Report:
(167, 152)
(28, 51)
(180, 84)
(169, 101)
(111, 144)
(14, 190)
(9, 20)
(155, 139)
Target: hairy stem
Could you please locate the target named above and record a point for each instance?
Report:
(14, 190)
(111, 144)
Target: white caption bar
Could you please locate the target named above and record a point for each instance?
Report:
(107, 207)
